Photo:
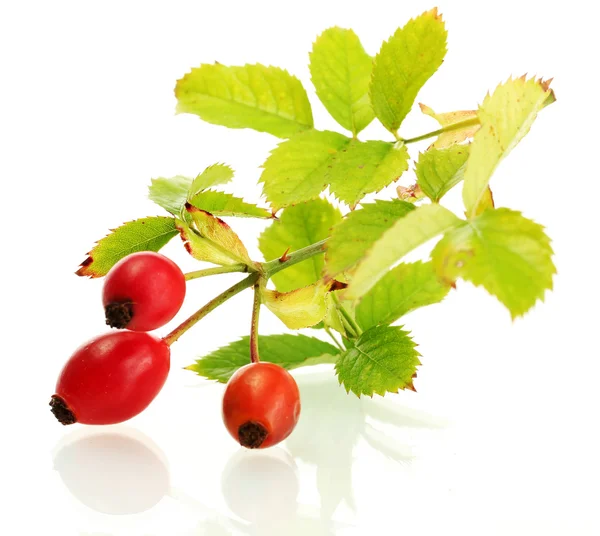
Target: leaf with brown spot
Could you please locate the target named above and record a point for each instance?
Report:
(410, 194)
(145, 234)
(449, 119)
(210, 239)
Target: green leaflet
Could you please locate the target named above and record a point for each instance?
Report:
(289, 351)
(414, 229)
(213, 237)
(507, 254)
(222, 204)
(360, 229)
(439, 170)
(267, 99)
(401, 290)
(405, 62)
(341, 73)
(145, 234)
(172, 195)
(383, 360)
(214, 175)
(299, 226)
(300, 308)
(506, 117)
(299, 169)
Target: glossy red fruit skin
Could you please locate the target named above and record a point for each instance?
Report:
(152, 283)
(262, 393)
(114, 376)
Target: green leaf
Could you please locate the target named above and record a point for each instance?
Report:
(414, 229)
(300, 308)
(288, 351)
(299, 226)
(403, 289)
(383, 360)
(341, 73)
(507, 254)
(405, 62)
(267, 99)
(145, 234)
(201, 248)
(439, 170)
(353, 237)
(453, 119)
(222, 204)
(506, 117)
(219, 235)
(299, 169)
(170, 194)
(214, 175)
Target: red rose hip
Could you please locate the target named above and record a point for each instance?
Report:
(261, 405)
(143, 291)
(111, 378)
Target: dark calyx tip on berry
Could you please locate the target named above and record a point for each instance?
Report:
(118, 314)
(61, 411)
(252, 434)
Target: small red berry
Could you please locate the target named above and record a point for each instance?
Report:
(261, 405)
(111, 378)
(143, 291)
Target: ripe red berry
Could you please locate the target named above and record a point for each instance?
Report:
(143, 291)
(261, 405)
(111, 378)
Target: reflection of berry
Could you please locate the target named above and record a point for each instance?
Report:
(143, 291)
(261, 405)
(111, 378)
(261, 486)
(116, 472)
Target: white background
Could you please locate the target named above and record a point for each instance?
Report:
(501, 437)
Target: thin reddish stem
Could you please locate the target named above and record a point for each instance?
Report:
(254, 327)
(210, 306)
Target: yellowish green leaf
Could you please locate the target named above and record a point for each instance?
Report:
(506, 117)
(486, 201)
(210, 239)
(407, 233)
(405, 62)
(222, 204)
(300, 308)
(341, 73)
(299, 169)
(355, 235)
(267, 99)
(299, 226)
(502, 251)
(403, 289)
(439, 170)
(214, 175)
